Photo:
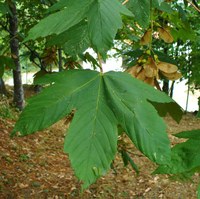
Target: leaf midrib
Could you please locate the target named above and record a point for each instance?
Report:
(93, 134)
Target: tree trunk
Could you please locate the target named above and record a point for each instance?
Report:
(3, 90)
(165, 87)
(60, 60)
(198, 113)
(172, 89)
(14, 47)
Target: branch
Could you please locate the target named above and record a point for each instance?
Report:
(29, 48)
(126, 1)
(193, 5)
(100, 62)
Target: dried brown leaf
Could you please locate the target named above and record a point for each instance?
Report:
(141, 75)
(172, 76)
(146, 38)
(134, 70)
(165, 35)
(149, 71)
(149, 81)
(167, 67)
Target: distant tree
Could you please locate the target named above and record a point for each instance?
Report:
(3, 90)
(17, 18)
(14, 48)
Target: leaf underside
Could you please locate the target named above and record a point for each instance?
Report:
(102, 102)
(185, 158)
(141, 11)
(103, 19)
(194, 134)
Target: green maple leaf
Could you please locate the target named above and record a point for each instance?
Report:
(4, 9)
(157, 3)
(62, 20)
(74, 41)
(141, 11)
(103, 20)
(101, 102)
(185, 158)
(194, 134)
(6, 62)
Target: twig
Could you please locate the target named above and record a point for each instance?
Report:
(31, 50)
(151, 18)
(100, 62)
(193, 5)
(126, 1)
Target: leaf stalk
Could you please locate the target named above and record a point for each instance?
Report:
(100, 62)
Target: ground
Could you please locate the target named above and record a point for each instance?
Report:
(35, 166)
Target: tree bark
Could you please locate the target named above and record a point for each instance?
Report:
(3, 90)
(60, 68)
(198, 113)
(172, 89)
(18, 97)
(165, 87)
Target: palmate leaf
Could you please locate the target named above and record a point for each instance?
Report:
(141, 11)
(101, 102)
(157, 3)
(171, 108)
(61, 21)
(103, 20)
(74, 41)
(5, 62)
(4, 9)
(185, 156)
(194, 134)
(166, 7)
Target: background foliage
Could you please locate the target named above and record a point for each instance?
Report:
(153, 39)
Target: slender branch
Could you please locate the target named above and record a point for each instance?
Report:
(100, 62)
(29, 48)
(126, 1)
(193, 5)
(36, 63)
(60, 59)
(151, 18)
